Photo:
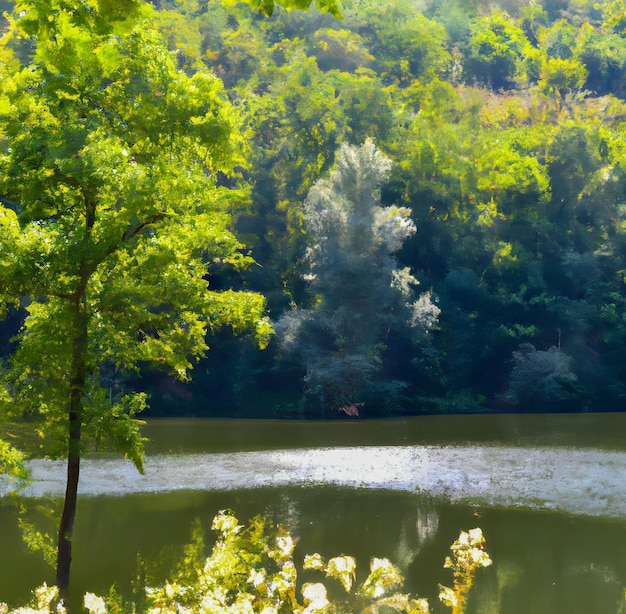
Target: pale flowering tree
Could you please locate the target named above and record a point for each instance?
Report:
(358, 292)
(541, 377)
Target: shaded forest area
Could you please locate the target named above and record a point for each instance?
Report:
(435, 201)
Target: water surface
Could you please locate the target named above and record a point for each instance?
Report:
(603, 431)
(545, 562)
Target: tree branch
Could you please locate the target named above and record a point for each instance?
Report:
(11, 204)
(133, 231)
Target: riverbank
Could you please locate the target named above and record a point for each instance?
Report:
(580, 482)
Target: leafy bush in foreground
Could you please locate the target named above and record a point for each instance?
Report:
(251, 569)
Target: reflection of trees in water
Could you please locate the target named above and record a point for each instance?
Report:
(415, 532)
(427, 522)
(285, 510)
(576, 586)
(551, 564)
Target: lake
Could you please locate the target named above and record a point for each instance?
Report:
(544, 561)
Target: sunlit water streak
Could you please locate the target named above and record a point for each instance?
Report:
(586, 482)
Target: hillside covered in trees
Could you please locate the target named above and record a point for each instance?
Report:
(431, 197)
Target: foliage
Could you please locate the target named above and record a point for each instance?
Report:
(468, 555)
(505, 125)
(112, 215)
(252, 569)
(267, 6)
(11, 463)
(504, 122)
(541, 378)
(358, 291)
(45, 601)
(417, 50)
(87, 225)
(496, 46)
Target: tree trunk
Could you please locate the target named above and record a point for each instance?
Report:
(75, 415)
(66, 526)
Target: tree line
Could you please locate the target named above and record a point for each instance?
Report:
(503, 126)
(502, 129)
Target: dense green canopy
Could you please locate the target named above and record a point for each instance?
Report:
(111, 216)
(504, 126)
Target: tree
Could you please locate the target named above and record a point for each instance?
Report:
(111, 215)
(604, 57)
(359, 293)
(559, 76)
(495, 50)
(406, 45)
(541, 377)
(267, 6)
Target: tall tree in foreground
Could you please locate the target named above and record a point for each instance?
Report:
(359, 293)
(111, 213)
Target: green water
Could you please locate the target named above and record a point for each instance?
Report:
(543, 562)
(605, 431)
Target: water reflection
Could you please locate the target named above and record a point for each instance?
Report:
(590, 482)
(195, 435)
(545, 563)
(416, 530)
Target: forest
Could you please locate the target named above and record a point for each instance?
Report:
(276, 210)
(423, 204)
